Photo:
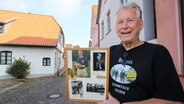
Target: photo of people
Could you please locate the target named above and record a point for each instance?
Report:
(81, 63)
(95, 88)
(77, 88)
(98, 61)
(123, 73)
(85, 67)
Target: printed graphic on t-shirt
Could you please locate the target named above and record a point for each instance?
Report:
(124, 74)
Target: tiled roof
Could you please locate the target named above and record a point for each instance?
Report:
(28, 29)
(33, 41)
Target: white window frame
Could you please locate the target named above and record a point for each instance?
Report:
(103, 32)
(109, 20)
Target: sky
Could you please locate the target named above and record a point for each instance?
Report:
(74, 16)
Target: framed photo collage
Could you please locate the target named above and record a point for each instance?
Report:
(87, 74)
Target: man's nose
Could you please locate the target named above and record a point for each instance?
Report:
(125, 25)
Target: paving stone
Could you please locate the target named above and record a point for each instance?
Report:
(37, 91)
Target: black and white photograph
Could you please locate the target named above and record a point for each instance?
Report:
(95, 88)
(77, 88)
(87, 74)
(99, 61)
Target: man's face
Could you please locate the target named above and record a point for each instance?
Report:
(80, 53)
(98, 57)
(128, 25)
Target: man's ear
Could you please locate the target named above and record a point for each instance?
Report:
(141, 24)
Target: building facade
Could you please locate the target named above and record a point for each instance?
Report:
(170, 28)
(163, 24)
(106, 20)
(94, 28)
(36, 38)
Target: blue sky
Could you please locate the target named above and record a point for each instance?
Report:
(74, 16)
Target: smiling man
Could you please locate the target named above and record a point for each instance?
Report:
(145, 72)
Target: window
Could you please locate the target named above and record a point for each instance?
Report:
(102, 35)
(46, 61)
(123, 2)
(5, 57)
(109, 20)
(105, 1)
(1, 28)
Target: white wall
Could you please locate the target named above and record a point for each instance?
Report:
(33, 55)
(110, 38)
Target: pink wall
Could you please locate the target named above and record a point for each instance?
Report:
(169, 29)
(95, 36)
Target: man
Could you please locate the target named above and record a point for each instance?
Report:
(81, 64)
(149, 73)
(99, 64)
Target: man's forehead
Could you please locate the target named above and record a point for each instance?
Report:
(128, 11)
(127, 14)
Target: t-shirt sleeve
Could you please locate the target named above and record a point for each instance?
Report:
(166, 81)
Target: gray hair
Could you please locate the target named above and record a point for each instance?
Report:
(132, 5)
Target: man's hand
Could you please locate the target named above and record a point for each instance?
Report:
(81, 66)
(111, 100)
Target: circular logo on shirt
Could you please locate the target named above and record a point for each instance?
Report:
(124, 74)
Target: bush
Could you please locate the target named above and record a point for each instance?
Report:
(19, 68)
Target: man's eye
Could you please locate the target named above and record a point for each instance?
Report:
(120, 21)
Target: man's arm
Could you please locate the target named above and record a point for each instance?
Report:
(154, 101)
(112, 100)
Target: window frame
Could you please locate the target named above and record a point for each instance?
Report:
(6, 58)
(109, 21)
(123, 2)
(105, 1)
(1, 28)
(103, 32)
(46, 61)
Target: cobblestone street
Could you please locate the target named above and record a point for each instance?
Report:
(34, 91)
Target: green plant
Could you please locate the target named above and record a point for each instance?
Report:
(19, 68)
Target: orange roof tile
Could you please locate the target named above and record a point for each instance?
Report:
(28, 29)
(33, 41)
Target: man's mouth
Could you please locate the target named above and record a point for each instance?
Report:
(128, 32)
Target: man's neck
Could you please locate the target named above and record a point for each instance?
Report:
(132, 45)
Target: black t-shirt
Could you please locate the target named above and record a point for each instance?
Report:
(144, 72)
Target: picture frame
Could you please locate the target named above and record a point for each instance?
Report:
(87, 72)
